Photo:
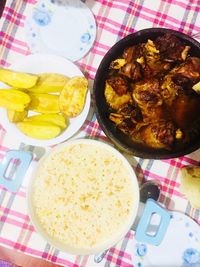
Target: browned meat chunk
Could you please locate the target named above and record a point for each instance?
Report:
(132, 111)
(132, 71)
(119, 84)
(170, 47)
(190, 69)
(181, 80)
(155, 113)
(146, 93)
(131, 53)
(126, 118)
(182, 77)
(159, 135)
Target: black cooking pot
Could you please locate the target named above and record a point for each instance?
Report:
(121, 140)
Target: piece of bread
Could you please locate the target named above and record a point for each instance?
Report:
(190, 184)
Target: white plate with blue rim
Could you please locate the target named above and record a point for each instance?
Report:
(61, 27)
(43, 63)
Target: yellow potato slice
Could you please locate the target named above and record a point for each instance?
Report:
(16, 116)
(190, 184)
(14, 99)
(49, 83)
(44, 103)
(18, 79)
(39, 130)
(57, 119)
(72, 97)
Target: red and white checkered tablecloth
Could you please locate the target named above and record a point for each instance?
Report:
(115, 19)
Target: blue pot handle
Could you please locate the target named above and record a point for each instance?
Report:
(24, 158)
(142, 234)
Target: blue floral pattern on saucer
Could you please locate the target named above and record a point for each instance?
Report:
(65, 28)
(41, 18)
(191, 256)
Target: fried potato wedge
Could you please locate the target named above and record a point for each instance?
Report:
(39, 129)
(44, 103)
(72, 97)
(18, 79)
(57, 119)
(14, 99)
(16, 116)
(49, 83)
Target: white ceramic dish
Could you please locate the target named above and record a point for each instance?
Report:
(113, 239)
(179, 248)
(65, 28)
(38, 63)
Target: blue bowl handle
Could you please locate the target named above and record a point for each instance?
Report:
(142, 234)
(25, 158)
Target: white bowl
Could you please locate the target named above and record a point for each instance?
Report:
(112, 240)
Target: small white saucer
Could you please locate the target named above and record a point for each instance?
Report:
(65, 28)
(179, 248)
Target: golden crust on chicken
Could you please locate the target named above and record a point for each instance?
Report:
(114, 99)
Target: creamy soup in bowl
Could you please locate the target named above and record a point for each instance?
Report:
(83, 196)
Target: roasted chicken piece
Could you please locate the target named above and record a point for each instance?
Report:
(126, 125)
(169, 89)
(155, 113)
(131, 110)
(155, 68)
(179, 78)
(189, 70)
(132, 53)
(154, 65)
(171, 48)
(159, 134)
(113, 98)
(143, 61)
(147, 93)
(132, 70)
(119, 84)
(126, 117)
(151, 52)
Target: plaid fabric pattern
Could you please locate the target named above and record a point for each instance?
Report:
(115, 19)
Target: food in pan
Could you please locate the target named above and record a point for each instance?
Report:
(152, 90)
(51, 98)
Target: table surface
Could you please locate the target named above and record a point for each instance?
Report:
(115, 19)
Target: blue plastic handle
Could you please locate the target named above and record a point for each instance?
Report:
(142, 235)
(24, 158)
